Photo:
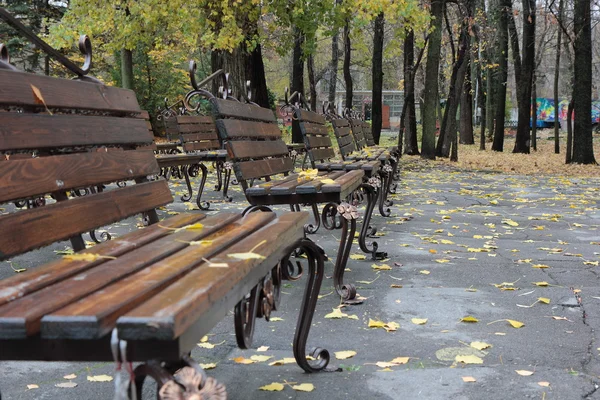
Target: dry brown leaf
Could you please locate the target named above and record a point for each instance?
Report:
(242, 360)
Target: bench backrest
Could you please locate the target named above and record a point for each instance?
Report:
(315, 134)
(253, 140)
(74, 135)
(343, 134)
(357, 130)
(197, 133)
(368, 133)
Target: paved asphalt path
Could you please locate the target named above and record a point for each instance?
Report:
(460, 244)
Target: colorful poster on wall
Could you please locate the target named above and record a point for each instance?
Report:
(545, 110)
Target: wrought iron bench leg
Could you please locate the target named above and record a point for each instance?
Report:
(219, 169)
(203, 205)
(186, 175)
(343, 216)
(227, 178)
(366, 230)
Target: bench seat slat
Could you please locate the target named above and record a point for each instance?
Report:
(38, 227)
(315, 129)
(322, 154)
(289, 186)
(21, 318)
(64, 93)
(95, 315)
(22, 284)
(310, 116)
(53, 131)
(203, 295)
(315, 185)
(345, 184)
(205, 145)
(65, 170)
(197, 137)
(194, 119)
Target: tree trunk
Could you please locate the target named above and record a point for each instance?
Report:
(127, 69)
(310, 64)
(501, 55)
(466, 107)
(525, 83)
(377, 71)
(489, 102)
(448, 129)
(335, 56)
(347, 75)
(409, 120)
(556, 76)
(583, 149)
(256, 75)
(235, 63)
(569, 151)
(533, 105)
(297, 77)
(431, 81)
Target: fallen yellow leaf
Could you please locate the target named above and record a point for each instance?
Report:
(286, 360)
(424, 272)
(242, 360)
(480, 345)
(70, 376)
(259, 358)
(470, 359)
(544, 300)
(245, 256)
(542, 283)
(342, 355)
(32, 386)
(327, 181)
(469, 318)
(272, 387)
(515, 324)
(468, 379)
(86, 257)
(305, 387)
(396, 286)
(523, 372)
(442, 260)
(385, 364)
(400, 360)
(100, 378)
(275, 319)
(358, 257)
(263, 348)
(419, 321)
(382, 267)
(544, 384)
(540, 266)
(509, 222)
(208, 366)
(67, 385)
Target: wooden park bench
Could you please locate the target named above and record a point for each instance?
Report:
(255, 147)
(147, 296)
(322, 157)
(200, 143)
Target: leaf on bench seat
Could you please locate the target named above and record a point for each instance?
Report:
(248, 255)
(308, 175)
(86, 257)
(193, 227)
(327, 181)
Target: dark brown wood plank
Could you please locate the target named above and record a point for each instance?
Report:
(263, 168)
(314, 129)
(35, 279)
(64, 93)
(38, 227)
(206, 145)
(343, 183)
(197, 137)
(234, 129)
(322, 154)
(289, 186)
(177, 160)
(95, 315)
(255, 149)
(310, 116)
(194, 119)
(340, 123)
(229, 108)
(319, 141)
(20, 179)
(261, 189)
(315, 185)
(22, 317)
(198, 128)
(40, 131)
(345, 140)
(207, 293)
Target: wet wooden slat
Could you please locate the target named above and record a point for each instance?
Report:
(35, 279)
(228, 108)
(206, 293)
(64, 93)
(95, 315)
(310, 116)
(21, 318)
(253, 149)
(38, 227)
(319, 141)
(43, 131)
(322, 154)
(345, 183)
(315, 185)
(37, 176)
(234, 129)
(204, 145)
(194, 119)
(263, 168)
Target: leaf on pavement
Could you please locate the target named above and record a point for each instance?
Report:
(523, 372)
(66, 385)
(468, 379)
(469, 359)
(272, 387)
(343, 355)
(32, 386)
(480, 345)
(305, 387)
(242, 360)
(100, 378)
(259, 358)
(419, 321)
(469, 318)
